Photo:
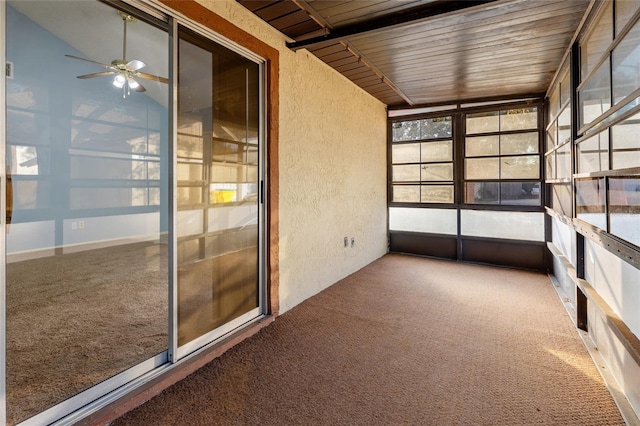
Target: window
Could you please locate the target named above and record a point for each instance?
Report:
(624, 207)
(593, 153)
(625, 149)
(422, 161)
(558, 145)
(502, 157)
(454, 175)
(607, 150)
(499, 158)
(591, 201)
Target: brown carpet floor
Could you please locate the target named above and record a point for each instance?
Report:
(405, 340)
(77, 319)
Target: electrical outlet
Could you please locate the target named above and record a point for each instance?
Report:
(81, 224)
(9, 70)
(353, 242)
(346, 241)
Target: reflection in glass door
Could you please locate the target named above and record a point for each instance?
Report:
(218, 190)
(87, 263)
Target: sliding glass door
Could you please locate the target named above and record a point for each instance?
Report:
(218, 189)
(133, 225)
(87, 167)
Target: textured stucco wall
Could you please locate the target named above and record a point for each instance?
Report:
(332, 159)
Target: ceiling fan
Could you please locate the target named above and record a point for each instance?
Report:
(127, 73)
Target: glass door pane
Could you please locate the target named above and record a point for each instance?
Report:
(218, 156)
(86, 266)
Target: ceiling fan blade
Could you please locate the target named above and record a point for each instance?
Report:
(88, 60)
(153, 77)
(140, 87)
(96, 74)
(135, 65)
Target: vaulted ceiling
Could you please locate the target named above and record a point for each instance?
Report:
(420, 52)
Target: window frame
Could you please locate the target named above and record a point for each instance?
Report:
(458, 113)
(626, 109)
(500, 156)
(420, 183)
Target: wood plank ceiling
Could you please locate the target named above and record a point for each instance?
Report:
(422, 52)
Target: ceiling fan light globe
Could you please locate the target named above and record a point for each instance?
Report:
(119, 81)
(132, 83)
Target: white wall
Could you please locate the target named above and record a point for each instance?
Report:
(332, 153)
(617, 282)
(563, 238)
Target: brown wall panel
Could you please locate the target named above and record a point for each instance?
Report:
(423, 244)
(517, 254)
